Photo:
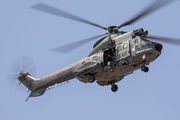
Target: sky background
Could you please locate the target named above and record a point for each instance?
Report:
(142, 96)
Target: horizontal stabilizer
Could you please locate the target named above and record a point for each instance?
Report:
(37, 92)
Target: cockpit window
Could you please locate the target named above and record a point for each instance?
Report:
(83, 62)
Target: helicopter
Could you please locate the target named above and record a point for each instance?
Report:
(114, 56)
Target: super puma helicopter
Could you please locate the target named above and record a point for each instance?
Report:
(114, 56)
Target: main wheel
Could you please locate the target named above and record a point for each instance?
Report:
(144, 68)
(91, 79)
(114, 88)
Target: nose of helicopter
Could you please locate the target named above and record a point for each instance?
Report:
(158, 46)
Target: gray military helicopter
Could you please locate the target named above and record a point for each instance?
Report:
(114, 56)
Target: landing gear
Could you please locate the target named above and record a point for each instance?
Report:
(91, 78)
(144, 69)
(114, 87)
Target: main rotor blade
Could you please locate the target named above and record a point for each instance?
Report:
(49, 9)
(153, 7)
(165, 39)
(71, 46)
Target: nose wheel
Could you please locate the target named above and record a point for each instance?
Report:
(114, 87)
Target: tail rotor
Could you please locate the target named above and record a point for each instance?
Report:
(21, 64)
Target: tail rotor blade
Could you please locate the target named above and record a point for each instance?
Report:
(32, 70)
(11, 79)
(26, 62)
(17, 86)
(15, 66)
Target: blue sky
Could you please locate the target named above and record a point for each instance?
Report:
(142, 96)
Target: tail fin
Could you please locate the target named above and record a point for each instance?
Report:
(31, 83)
(26, 79)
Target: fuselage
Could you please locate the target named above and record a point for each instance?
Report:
(127, 53)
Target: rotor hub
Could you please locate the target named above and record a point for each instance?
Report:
(113, 29)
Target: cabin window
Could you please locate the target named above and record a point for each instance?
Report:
(125, 45)
(119, 48)
(94, 58)
(136, 41)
